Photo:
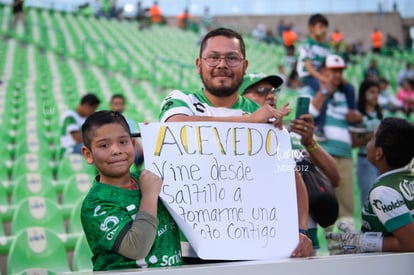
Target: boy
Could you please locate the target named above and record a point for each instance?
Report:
(124, 222)
(312, 55)
(387, 216)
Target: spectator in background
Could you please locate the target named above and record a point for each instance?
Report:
(376, 41)
(405, 73)
(387, 216)
(18, 14)
(387, 101)
(336, 128)
(184, 20)
(406, 96)
(289, 37)
(372, 72)
(280, 28)
(313, 52)
(337, 41)
(117, 104)
(142, 16)
(156, 14)
(71, 123)
(263, 90)
(372, 115)
(259, 32)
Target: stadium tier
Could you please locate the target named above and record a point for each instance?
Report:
(46, 67)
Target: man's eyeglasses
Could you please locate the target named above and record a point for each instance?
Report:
(231, 60)
(265, 91)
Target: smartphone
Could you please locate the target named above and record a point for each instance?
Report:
(302, 106)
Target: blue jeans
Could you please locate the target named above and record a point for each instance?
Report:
(366, 174)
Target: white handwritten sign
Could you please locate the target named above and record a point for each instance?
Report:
(227, 186)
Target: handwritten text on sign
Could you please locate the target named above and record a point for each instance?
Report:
(223, 187)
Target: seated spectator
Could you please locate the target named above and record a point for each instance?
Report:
(117, 104)
(372, 72)
(387, 216)
(184, 20)
(71, 123)
(259, 32)
(406, 96)
(387, 100)
(406, 72)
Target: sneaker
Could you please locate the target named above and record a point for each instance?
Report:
(319, 135)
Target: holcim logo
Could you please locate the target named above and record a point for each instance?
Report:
(388, 207)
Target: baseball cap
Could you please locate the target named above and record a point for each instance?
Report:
(253, 78)
(334, 61)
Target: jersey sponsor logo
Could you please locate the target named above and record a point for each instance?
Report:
(167, 106)
(171, 260)
(109, 222)
(95, 212)
(162, 230)
(388, 207)
(407, 189)
(111, 234)
(199, 107)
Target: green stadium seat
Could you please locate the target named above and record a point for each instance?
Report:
(37, 211)
(76, 187)
(33, 184)
(75, 224)
(37, 249)
(71, 164)
(82, 255)
(31, 163)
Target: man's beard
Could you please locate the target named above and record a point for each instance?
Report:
(221, 91)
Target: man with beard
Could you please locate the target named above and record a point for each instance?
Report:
(222, 64)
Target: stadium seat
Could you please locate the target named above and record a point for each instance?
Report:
(37, 248)
(75, 187)
(71, 164)
(37, 211)
(75, 224)
(31, 163)
(33, 184)
(82, 255)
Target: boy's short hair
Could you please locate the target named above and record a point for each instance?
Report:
(90, 99)
(318, 18)
(395, 136)
(99, 119)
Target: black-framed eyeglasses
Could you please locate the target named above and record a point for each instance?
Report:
(232, 60)
(265, 91)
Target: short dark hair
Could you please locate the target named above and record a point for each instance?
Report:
(395, 136)
(99, 119)
(90, 99)
(118, 96)
(229, 33)
(318, 18)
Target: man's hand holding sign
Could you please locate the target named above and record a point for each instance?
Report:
(227, 185)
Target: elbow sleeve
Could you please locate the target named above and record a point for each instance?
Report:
(139, 239)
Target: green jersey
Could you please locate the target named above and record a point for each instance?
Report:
(107, 214)
(391, 202)
(314, 51)
(196, 104)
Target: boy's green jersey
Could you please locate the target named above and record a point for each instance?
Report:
(107, 214)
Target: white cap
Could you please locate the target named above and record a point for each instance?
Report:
(334, 61)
